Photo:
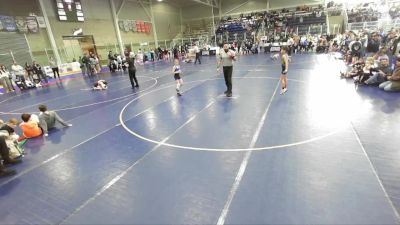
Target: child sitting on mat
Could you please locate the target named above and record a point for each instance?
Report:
(30, 126)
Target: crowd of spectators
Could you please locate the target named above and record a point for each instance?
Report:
(278, 21)
(33, 75)
(31, 126)
(372, 57)
(29, 76)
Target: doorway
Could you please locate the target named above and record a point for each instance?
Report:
(75, 46)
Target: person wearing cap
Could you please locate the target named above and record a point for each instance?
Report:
(393, 81)
(132, 70)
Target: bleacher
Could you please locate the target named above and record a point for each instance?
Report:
(301, 20)
(308, 23)
(363, 12)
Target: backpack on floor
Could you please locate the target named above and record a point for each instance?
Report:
(15, 150)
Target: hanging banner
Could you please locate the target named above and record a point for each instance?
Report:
(126, 25)
(147, 27)
(129, 25)
(140, 26)
(134, 26)
(8, 23)
(122, 25)
(21, 24)
(32, 24)
(41, 22)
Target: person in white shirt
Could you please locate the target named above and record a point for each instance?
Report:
(19, 74)
(54, 67)
(17, 69)
(5, 79)
(226, 57)
(290, 43)
(197, 51)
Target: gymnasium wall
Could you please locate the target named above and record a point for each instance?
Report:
(198, 17)
(197, 11)
(134, 11)
(279, 4)
(245, 6)
(335, 20)
(167, 20)
(38, 41)
(98, 22)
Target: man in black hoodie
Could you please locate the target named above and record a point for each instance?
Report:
(373, 44)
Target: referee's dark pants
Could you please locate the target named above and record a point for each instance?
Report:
(228, 78)
(55, 70)
(132, 78)
(197, 58)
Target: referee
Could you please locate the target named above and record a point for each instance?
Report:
(132, 70)
(226, 58)
(197, 51)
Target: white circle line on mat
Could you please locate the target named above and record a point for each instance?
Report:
(216, 149)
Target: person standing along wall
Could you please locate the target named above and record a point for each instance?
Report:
(29, 71)
(54, 67)
(5, 80)
(197, 51)
(152, 53)
(37, 69)
(19, 73)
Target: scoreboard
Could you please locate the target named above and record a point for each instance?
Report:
(70, 10)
